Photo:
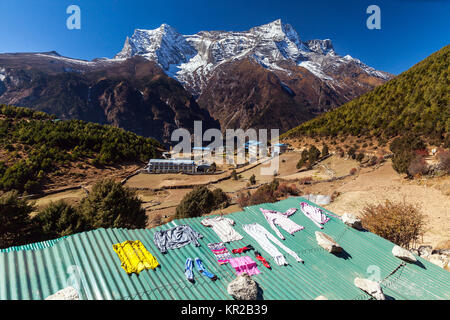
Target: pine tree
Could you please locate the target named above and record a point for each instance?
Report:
(111, 205)
(15, 222)
(325, 150)
(60, 219)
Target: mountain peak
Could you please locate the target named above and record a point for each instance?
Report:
(274, 29)
(276, 22)
(164, 25)
(162, 30)
(192, 59)
(164, 45)
(167, 28)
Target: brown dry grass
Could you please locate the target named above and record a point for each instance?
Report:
(398, 222)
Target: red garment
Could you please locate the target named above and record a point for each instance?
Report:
(240, 250)
(243, 249)
(264, 261)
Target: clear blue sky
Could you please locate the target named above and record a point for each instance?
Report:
(410, 29)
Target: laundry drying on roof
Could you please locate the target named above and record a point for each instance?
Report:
(244, 264)
(176, 237)
(315, 214)
(220, 252)
(276, 218)
(223, 228)
(265, 239)
(179, 271)
(134, 256)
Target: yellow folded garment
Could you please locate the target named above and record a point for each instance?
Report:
(134, 256)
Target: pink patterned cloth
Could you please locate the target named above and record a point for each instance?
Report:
(244, 264)
(315, 214)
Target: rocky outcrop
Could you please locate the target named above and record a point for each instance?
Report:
(439, 257)
(243, 288)
(326, 242)
(442, 251)
(352, 221)
(370, 287)
(425, 250)
(69, 293)
(439, 260)
(403, 254)
(243, 94)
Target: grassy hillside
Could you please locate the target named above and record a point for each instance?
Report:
(417, 101)
(34, 144)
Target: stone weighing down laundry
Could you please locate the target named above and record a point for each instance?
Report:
(223, 228)
(176, 237)
(275, 218)
(265, 239)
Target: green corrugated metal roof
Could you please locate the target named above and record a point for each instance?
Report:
(87, 261)
(33, 246)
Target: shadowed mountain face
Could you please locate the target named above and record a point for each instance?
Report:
(243, 94)
(133, 94)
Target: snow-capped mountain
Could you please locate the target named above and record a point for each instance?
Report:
(266, 77)
(192, 59)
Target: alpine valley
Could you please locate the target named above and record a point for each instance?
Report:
(266, 77)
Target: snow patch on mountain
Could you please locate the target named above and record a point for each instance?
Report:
(324, 47)
(57, 57)
(2, 74)
(315, 69)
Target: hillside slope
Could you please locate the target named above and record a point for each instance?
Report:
(35, 146)
(243, 94)
(417, 101)
(133, 94)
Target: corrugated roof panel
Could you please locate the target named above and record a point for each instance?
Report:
(88, 261)
(303, 242)
(33, 246)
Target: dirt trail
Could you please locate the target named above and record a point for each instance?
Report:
(385, 184)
